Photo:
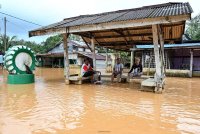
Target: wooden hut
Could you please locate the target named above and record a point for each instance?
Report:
(121, 30)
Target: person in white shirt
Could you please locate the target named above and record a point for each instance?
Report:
(117, 70)
(87, 71)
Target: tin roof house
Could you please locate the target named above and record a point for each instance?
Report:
(77, 52)
(180, 59)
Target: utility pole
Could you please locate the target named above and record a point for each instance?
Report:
(5, 43)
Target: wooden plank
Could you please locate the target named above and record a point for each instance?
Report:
(106, 57)
(66, 57)
(121, 34)
(124, 35)
(191, 62)
(86, 43)
(150, 82)
(132, 58)
(93, 52)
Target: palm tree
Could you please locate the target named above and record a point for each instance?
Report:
(6, 43)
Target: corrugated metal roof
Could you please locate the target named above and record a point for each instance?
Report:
(170, 45)
(160, 10)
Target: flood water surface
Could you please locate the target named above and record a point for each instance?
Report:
(50, 106)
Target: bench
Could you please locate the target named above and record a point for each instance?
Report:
(77, 79)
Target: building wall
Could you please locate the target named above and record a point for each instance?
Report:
(175, 59)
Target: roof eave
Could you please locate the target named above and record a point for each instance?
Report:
(112, 25)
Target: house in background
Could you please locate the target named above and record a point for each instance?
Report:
(179, 58)
(77, 52)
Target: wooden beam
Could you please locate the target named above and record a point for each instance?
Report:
(122, 36)
(87, 43)
(132, 58)
(130, 43)
(114, 25)
(124, 29)
(93, 53)
(158, 74)
(130, 23)
(191, 62)
(106, 57)
(136, 28)
(66, 57)
(160, 34)
(97, 41)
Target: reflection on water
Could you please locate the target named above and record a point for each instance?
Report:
(50, 106)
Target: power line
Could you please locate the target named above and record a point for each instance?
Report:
(20, 19)
(16, 25)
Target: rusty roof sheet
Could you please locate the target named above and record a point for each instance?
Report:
(153, 11)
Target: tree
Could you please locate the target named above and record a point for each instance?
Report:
(51, 42)
(9, 41)
(193, 28)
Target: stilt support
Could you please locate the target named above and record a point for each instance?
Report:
(66, 58)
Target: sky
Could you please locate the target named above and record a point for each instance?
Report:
(45, 12)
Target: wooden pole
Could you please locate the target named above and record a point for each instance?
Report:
(59, 63)
(93, 52)
(166, 55)
(52, 62)
(5, 42)
(106, 57)
(143, 59)
(158, 74)
(132, 58)
(160, 34)
(156, 50)
(191, 62)
(66, 57)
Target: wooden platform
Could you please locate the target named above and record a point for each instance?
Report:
(148, 85)
(150, 82)
(77, 79)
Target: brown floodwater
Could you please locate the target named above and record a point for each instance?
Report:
(50, 106)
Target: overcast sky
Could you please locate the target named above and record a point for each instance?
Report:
(45, 12)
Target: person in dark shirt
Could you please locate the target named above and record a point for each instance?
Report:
(136, 69)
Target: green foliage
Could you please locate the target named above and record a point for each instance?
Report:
(6, 43)
(75, 37)
(51, 42)
(193, 28)
(37, 48)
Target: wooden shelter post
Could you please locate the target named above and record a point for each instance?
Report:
(93, 52)
(106, 57)
(162, 52)
(132, 58)
(191, 62)
(132, 55)
(158, 74)
(66, 58)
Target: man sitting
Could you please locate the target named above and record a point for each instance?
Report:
(87, 71)
(136, 69)
(117, 70)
